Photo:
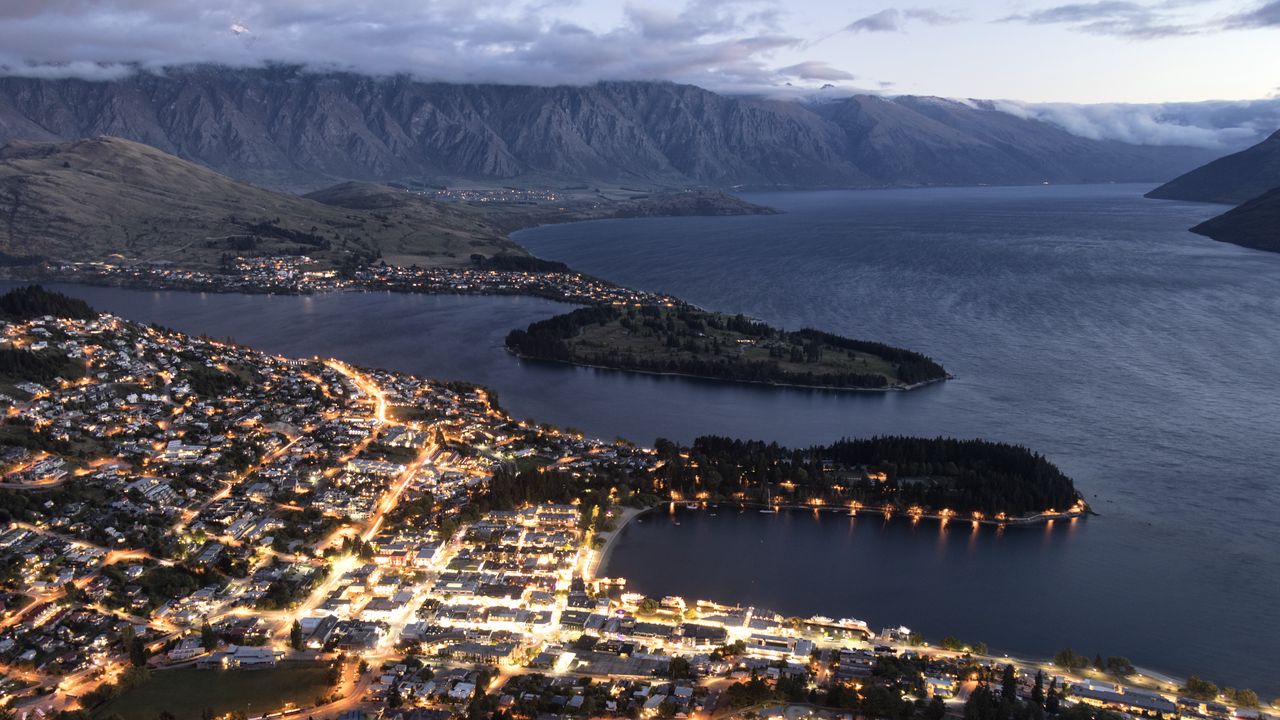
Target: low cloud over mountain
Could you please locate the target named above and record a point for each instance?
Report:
(1217, 125)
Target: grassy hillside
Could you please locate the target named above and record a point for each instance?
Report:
(502, 217)
(106, 198)
(1255, 224)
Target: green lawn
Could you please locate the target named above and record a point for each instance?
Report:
(188, 692)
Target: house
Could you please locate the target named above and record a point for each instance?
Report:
(462, 691)
(940, 686)
(186, 649)
(1128, 701)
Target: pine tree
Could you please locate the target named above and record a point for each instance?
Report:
(1009, 686)
(208, 638)
(137, 651)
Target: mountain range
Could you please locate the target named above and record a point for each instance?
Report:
(292, 129)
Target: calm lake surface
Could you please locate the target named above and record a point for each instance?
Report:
(1084, 322)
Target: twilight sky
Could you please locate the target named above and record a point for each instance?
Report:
(1105, 51)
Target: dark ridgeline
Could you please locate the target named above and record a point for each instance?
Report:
(934, 474)
(517, 263)
(1230, 180)
(285, 127)
(1249, 179)
(676, 341)
(1255, 224)
(34, 301)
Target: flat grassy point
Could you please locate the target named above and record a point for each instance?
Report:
(688, 341)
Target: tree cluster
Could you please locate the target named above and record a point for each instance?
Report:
(932, 473)
(33, 301)
(688, 341)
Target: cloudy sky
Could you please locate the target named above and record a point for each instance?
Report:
(1039, 51)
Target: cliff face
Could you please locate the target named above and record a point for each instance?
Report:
(1229, 180)
(287, 128)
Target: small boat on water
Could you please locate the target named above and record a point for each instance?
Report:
(770, 511)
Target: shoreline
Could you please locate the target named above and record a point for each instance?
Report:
(889, 512)
(627, 515)
(731, 381)
(600, 558)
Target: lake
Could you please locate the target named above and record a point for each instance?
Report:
(1082, 321)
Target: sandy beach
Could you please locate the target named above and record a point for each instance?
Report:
(599, 558)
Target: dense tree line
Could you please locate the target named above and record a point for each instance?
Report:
(682, 344)
(933, 473)
(34, 301)
(912, 366)
(545, 339)
(211, 382)
(271, 229)
(517, 263)
(40, 367)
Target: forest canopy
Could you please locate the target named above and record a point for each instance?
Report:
(687, 341)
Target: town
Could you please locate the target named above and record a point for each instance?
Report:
(182, 517)
(300, 275)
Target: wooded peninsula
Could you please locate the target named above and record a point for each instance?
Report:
(940, 477)
(683, 340)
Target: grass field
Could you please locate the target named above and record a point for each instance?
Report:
(650, 345)
(188, 692)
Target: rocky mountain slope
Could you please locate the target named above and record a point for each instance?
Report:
(287, 128)
(1230, 180)
(1255, 224)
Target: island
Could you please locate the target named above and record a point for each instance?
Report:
(679, 339)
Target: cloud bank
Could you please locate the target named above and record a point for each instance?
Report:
(1217, 125)
(719, 44)
(733, 46)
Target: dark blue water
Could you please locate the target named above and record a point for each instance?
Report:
(1082, 321)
